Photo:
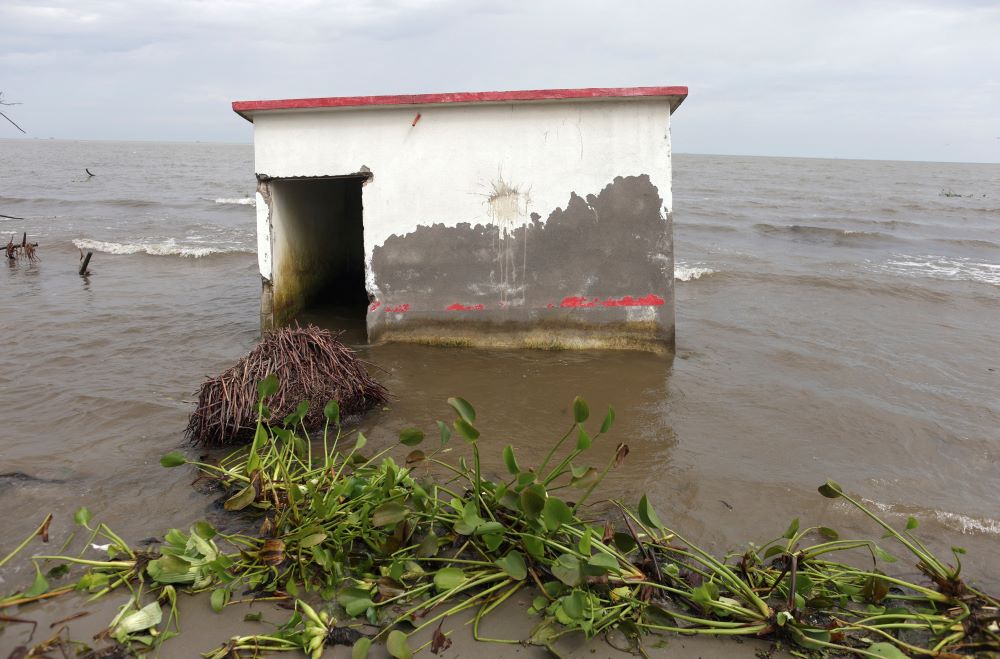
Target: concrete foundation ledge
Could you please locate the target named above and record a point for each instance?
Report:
(642, 336)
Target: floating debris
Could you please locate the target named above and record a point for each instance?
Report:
(14, 251)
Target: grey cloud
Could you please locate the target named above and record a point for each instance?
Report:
(787, 77)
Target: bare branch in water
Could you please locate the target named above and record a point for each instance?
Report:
(14, 250)
(12, 122)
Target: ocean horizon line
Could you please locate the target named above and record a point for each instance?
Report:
(676, 153)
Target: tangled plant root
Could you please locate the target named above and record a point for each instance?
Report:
(311, 365)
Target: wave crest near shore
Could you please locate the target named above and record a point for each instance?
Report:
(684, 272)
(167, 247)
(238, 201)
(942, 267)
(962, 523)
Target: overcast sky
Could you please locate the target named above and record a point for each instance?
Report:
(894, 79)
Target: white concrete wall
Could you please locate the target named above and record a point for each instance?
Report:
(444, 169)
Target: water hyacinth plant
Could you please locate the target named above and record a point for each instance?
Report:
(367, 551)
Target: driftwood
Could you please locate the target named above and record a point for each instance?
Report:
(2, 114)
(85, 261)
(14, 251)
(311, 365)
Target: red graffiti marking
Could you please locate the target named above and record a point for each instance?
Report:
(399, 308)
(650, 300)
(578, 302)
(465, 307)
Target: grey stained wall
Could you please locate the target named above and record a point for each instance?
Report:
(596, 273)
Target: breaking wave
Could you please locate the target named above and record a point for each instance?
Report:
(167, 247)
(956, 521)
(824, 234)
(705, 226)
(237, 201)
(683, 272)
(954, 268)
(968, 242)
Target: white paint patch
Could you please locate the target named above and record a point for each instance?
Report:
(264, 238)
(508, 210)
(640, 314)
(508, 206)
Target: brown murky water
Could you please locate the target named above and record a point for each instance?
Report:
(835, 320)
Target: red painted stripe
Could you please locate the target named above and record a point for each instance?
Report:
(677, 93)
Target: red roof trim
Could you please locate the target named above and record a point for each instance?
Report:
(246, 108)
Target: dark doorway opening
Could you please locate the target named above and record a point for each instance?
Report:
(319, 237)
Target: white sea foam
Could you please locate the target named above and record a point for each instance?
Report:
(954, 268)
(683, 272)
(961, 523)
(967, 524)
(167, 247)
(239, 201)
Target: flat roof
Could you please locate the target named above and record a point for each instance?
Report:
(675, 95)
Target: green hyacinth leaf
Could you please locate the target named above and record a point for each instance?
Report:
(555, 513)
(513, 564)
(82, 516)
(567, 570)
(361, 647)
(241, 499)
(389, 513)
(609, 420)
(397, 646)
(464, 409)
(533, 500)
(448, 578)
(831, 490)
(510, 461)
(885, 650)
(332, 412)
(268, 386)
(648, 515)
(411, 436)
(466, 430)
(173, 459)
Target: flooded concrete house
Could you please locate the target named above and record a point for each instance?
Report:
(528, 218)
